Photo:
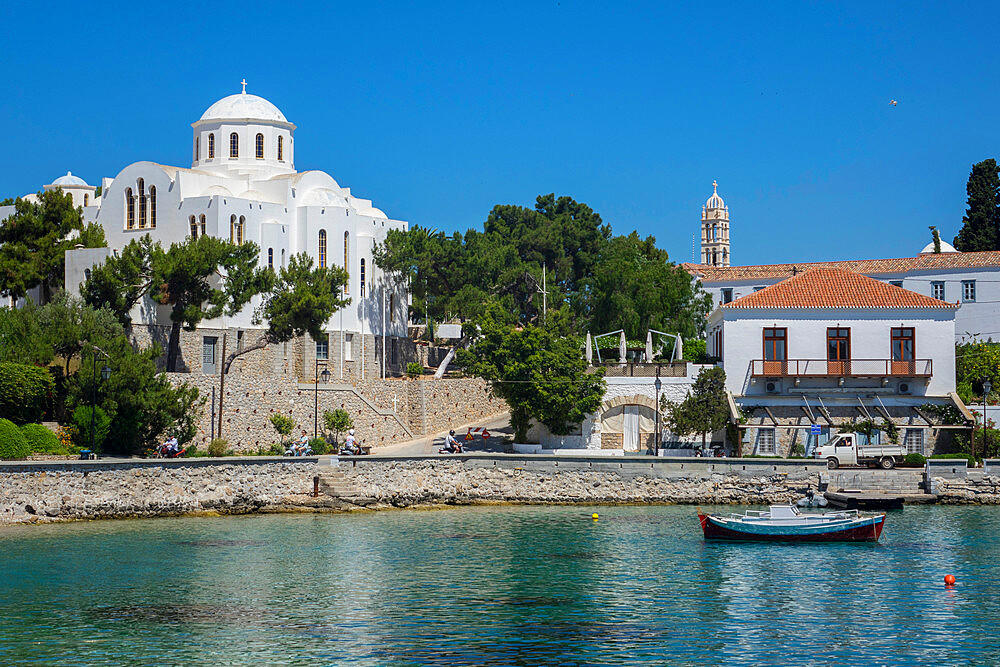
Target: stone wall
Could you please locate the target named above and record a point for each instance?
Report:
(976, 488)
(39, 492)
(384, 411)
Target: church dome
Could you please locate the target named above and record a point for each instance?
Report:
(242, 105)
(69, 179)
(945, 247)
(715, 201)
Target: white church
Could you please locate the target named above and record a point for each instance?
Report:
(243, 186)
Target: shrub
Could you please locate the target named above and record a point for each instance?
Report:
(218, 447)
(25, 392)
(914, 459)
(414, 369)
(956, 455)
(82, 421)
(275, 450)
(42, 440)
(13, 444)
(283, 424)
(695, 351)
(337, 421)
(319, 446)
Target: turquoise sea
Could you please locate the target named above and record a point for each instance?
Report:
(495, 586)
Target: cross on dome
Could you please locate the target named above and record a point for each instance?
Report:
(244, 82)
(715, 183)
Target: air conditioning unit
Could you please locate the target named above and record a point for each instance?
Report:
(906, 387)
(772, 387)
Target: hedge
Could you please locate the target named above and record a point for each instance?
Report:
(41, 440)
(13, 444)
(25, 392)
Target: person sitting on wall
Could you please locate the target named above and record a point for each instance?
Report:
(173, 447)
(299, 448)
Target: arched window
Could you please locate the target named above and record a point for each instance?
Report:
(322, 248)
(141, 187)
(270, 258)
(129, 209)
(347, 262)
(194, 227)
(362, 276)
(152, 206)
(281, 148)
(282, 258)
(202, 220)
(86, 199)
(197, 148)
(211, 146)
(234, 145)
(239, 230)
(232, 228)
(260, 146)
(86, 274)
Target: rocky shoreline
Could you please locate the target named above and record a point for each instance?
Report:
(35, 492)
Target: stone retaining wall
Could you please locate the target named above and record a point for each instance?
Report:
(32, 492)
(39, 491)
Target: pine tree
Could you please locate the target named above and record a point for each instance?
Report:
(981, 224)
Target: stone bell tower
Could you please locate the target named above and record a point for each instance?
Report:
(715, 230)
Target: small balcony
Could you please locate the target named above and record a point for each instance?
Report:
(857, 368)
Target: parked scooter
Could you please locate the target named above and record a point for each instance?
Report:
(169, 451)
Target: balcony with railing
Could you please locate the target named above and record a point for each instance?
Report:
(823, 368)
(639, 369)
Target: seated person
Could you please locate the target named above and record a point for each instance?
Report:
(351, 446)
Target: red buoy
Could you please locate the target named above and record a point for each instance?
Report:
(949, 579)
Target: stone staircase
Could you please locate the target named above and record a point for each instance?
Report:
(333, 483)
(889, 482)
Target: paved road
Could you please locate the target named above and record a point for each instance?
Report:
(498, 426)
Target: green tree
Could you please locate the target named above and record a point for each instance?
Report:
(68, 324)
(83, 417)
(541, 376)
(337, 421)
(634, 287)
(34, 241)
(299, 300)
(142, 403)
(25, 392)
(976, 362)
(981, 224)
(121, 281)
(22, 338)
(704, 411)
(283, 424)
(204, 278)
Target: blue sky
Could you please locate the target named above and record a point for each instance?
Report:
(437, 112)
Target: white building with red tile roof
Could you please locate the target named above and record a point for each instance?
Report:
(831, 346)
(971, 279)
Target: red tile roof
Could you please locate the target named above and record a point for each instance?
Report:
(928, 262)
(835, 288)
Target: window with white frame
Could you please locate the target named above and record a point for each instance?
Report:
(322, 350)
(348, 347)
(937, 289)
(968, 290)
(913, 440)
(765, 441)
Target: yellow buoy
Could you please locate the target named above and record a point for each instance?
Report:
(594, 516)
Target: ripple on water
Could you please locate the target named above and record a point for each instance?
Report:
(496, 586)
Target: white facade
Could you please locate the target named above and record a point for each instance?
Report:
(871, 370)
(242, 186)
(970, 279)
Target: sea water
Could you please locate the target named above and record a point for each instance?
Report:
(496, 586)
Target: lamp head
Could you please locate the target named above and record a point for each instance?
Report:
(105, 373)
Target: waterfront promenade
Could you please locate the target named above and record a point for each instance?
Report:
(36, 491)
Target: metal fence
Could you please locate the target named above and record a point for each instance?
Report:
(635, 369)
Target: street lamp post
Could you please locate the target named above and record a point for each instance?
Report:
(105, 374)
(987, 386)
(656, 427)
(326, 378)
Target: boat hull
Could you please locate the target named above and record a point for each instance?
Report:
(865, 529)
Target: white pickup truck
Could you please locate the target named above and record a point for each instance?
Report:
(843, 449)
